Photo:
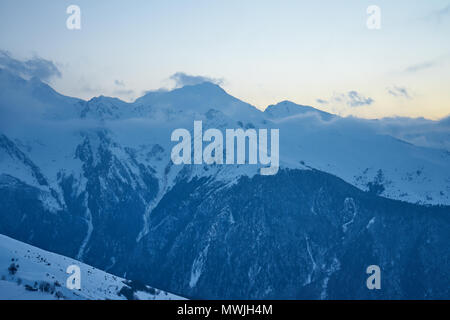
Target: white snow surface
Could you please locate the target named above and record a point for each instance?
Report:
(38, 266)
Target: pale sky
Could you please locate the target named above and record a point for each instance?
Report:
(317, 53)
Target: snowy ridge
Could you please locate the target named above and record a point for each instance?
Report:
(41, 275)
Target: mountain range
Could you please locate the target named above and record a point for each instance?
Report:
(93, 180)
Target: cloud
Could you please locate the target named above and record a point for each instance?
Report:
(350, 99)
(399, 92)
(35, 67)
(418, 131)
(124, 92)
(121, 89)
(446, 121)
(443, 59)
(421, 66)
(440, 14)
(357, 100)
(182, 79)
(87, 88)
(444, 11)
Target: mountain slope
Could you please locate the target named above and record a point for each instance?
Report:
(41, 275)
(296, 235)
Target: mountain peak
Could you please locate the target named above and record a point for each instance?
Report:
(23, 87)
(105, 99)
(203, 88)
(198, 98)
(287, 108)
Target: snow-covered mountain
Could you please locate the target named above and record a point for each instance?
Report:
(355, 150)
(93, 180)
(29, 273)
(352, 149)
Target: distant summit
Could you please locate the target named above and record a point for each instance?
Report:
(288, 109)
(199, 98)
